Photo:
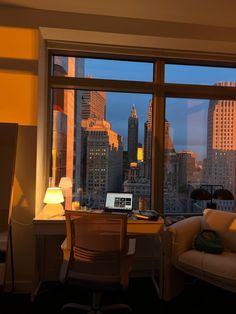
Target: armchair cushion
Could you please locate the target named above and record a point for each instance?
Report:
(223, 266)
(180, 242)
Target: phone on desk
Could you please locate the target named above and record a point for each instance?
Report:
(146, 215)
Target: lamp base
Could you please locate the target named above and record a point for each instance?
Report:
(52, 210)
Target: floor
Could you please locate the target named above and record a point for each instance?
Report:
(140, 296)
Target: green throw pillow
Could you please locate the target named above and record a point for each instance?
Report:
(208, 241)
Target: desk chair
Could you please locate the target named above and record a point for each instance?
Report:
(97, 255)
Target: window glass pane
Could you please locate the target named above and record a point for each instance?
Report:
(103, 142)
(204, 75)
(200, 152)
(103, 69)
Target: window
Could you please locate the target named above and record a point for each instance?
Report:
(102, 140)
(103, 69)
(123, 119)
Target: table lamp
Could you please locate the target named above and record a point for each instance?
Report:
(65, 184)
(53, 199)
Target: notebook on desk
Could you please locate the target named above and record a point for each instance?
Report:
(119, 202)
(146, 214)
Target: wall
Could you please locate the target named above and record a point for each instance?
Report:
(18, 89)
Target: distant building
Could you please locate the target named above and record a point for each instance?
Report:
(104, 160)
(220, 165)
(66, 142)
(140, 153)
(59, 135)
(125, 165)
(147, 153)
(171, 175)
(94, 105)
(187, 168)
(132, 135)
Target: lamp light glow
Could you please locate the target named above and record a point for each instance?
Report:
(53, 196)
(53, 199)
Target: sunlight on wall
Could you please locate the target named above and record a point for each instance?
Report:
(18, 75)
(18, 43)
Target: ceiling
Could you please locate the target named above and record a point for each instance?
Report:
(204, 12)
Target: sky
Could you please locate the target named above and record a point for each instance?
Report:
(187, 117)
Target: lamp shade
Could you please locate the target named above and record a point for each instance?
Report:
(65, 183)
(223, 194)
(200, 194)
(53, 196)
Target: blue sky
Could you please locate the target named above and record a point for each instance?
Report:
(187, 117)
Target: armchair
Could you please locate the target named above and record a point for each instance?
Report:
(97, 255)
(181, 258)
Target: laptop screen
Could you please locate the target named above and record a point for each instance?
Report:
(119, 201)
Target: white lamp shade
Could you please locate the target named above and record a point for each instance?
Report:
(53, 196)
(65, 183)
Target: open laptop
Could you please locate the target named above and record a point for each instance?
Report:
(119, 202)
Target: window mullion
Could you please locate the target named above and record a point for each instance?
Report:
(157, 178)
(199, 91)
(101, 84)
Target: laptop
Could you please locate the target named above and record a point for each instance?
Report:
(119, 202)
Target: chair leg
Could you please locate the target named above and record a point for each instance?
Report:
(96, 300)
(116, 307)
(76, 306)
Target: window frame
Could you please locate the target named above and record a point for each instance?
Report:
(158, 88)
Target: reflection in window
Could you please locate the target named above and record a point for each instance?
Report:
(197, 152)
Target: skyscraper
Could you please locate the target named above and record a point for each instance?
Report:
(94, 105)
(148, 142)
(132, 135)
(221, 142)
(66, 143)
(104, 158)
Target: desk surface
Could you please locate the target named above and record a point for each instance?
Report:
(57, 226)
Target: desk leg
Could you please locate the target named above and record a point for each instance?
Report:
(38, 256)
(154, 280)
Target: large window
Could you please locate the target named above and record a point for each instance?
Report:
(123, 125)
(101, 140)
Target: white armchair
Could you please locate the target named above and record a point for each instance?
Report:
(181, 258)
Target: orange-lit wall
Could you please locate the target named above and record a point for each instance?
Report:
(18, 76)
(19, 104)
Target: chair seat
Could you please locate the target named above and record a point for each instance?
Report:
(221, 265)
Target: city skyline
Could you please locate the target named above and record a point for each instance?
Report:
(192, 138)
(109, 127)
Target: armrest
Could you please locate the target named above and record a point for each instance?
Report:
(66, 250)
(66, 258)
(131, 248)
(182, 233)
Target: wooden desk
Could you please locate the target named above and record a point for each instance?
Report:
(50, 233)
